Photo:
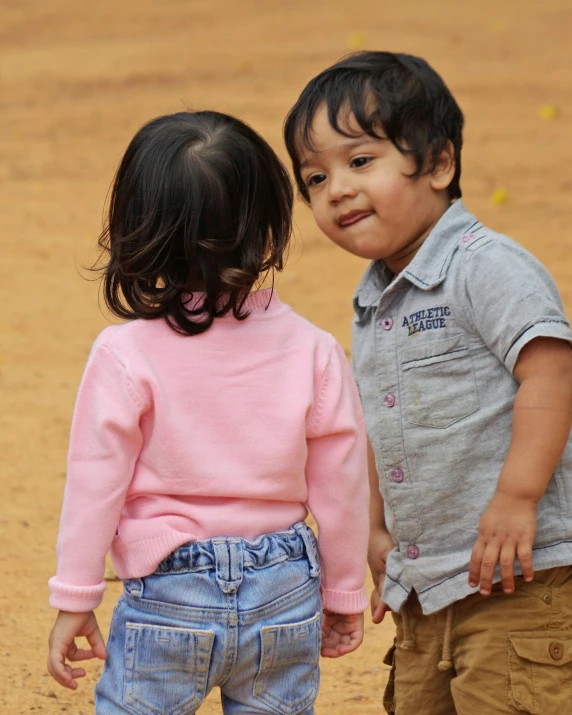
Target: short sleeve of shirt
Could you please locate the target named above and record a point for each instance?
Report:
(513, 298)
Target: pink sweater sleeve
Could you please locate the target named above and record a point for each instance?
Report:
(338, 492)
(104, 445)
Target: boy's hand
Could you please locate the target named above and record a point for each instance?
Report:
(67, 627)
(506, 530)
(378, 607)
(342, 633)
(380, 544)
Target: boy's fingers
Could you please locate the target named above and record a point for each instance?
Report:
(475, 563)
(490, 560)
(506, 560)
(374, 600)
(379, 613)
(524, 553)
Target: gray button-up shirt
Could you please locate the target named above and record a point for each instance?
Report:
(433, 355)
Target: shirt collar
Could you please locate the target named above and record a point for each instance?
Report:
(429, 266)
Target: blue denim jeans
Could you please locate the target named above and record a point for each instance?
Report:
(244, 616)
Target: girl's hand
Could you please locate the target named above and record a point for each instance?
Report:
(342, 633)
(506, 531)
(380, 544)
(67, 627)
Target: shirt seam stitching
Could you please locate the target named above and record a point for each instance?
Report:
(131, 389)
(316, 412)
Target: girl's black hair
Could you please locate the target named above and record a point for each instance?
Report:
(199, 202)
(399, 95)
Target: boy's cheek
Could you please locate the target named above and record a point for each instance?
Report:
(324, 224)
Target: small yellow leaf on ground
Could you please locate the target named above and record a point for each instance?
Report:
(499, 197)
(356, 41)
(548, 112)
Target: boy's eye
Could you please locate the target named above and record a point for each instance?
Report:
(315, 179)
(360, 161)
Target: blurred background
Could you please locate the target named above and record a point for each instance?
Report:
(76, 81)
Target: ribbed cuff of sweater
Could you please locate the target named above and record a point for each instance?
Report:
(345, 601)
(76, 599)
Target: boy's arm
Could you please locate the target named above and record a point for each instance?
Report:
(380, 542)
(542, 418)
(376, 505)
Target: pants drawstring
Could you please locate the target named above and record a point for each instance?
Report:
(446, 663)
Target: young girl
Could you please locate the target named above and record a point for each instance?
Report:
(205, 428)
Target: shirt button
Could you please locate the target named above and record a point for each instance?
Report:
(556, 650)
(397, 475)
(413, 552)
(389, 400)
(387, 323)
(468, 237)
(547, 598)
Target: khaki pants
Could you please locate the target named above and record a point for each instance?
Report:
(487, 655)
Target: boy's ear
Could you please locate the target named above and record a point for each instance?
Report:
(444, 170)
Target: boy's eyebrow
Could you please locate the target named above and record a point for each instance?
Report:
(349, 144)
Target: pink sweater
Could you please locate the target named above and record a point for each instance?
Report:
(235, 432)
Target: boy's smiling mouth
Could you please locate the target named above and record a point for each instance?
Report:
(351, 217)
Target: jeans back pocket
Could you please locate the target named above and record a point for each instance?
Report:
(166, 669)
(438, 382)
(289, 674)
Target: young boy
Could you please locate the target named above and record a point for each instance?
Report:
(461, 350)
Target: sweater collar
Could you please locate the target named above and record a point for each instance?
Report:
(259, 302)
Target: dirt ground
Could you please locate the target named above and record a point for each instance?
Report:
(77, 79)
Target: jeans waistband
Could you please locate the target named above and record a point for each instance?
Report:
(229, 556)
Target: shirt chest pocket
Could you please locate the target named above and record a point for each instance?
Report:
(438, 383)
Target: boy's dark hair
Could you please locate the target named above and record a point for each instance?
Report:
(199, 202)
(398, 94)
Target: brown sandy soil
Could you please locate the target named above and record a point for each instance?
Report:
(77, 79)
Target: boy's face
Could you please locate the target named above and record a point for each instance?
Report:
(362, 197)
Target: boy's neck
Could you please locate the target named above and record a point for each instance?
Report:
(397, 263)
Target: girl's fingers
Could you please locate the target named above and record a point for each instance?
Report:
(80, 654)
(95, 640)
(97, 649)
(62, 673)
(339, 648)
(70, 677)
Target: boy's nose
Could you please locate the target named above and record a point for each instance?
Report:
(340, 187)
